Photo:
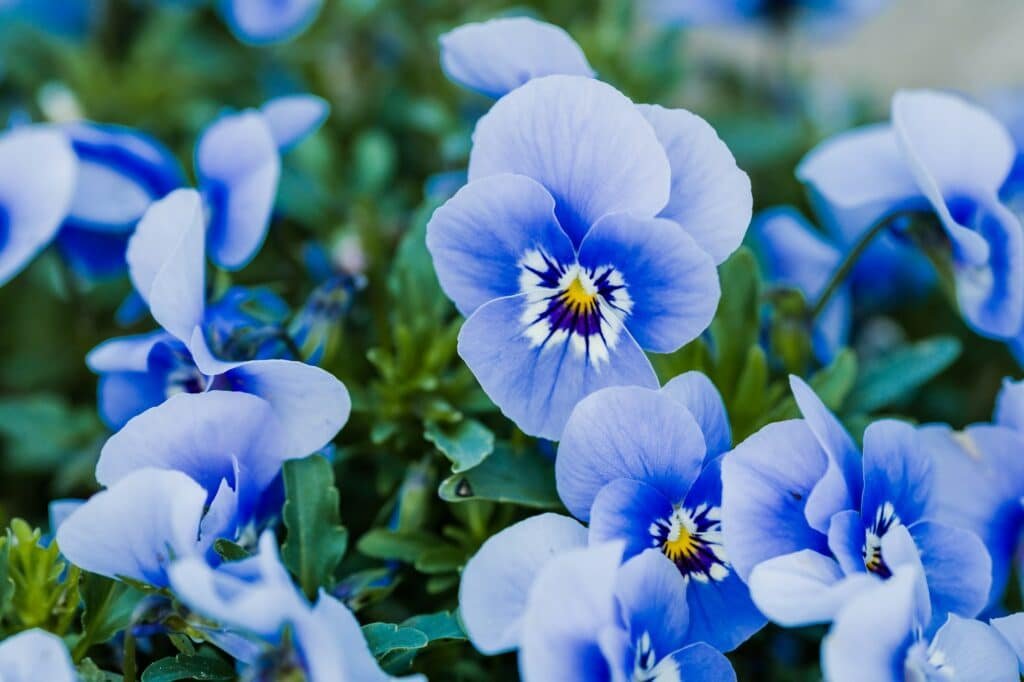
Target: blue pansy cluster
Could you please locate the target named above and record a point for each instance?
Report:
(585, 255)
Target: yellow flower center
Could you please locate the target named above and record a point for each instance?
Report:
(579, 296)
(682, 546)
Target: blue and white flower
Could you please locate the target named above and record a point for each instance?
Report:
(267, 22)
(35, 655)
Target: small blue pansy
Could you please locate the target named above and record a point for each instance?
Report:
(877, 636)
(944, 155)
(808, 521)
(38, 172)
(35, 655)
(643, 468)
(568, 264)
(497, 56)
(266, 22)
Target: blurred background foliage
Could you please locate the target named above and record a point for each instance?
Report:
(427, 468)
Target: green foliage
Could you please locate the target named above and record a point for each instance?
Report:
(188, 667)
(316, 539)
(517, 476)
(41, 589)
(108, 606)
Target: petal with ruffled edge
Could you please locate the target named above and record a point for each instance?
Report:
(265, 22)
(897, 472)
(979, 482)
(584, 141)
(710, 195)
(166, 262)
(840, 488)
(497, 580)
(36, 655)
(957, 568)
(255, 595)
(632, 433)
(699, 395)
(766, 480)
(973, 651)
(497, 56)
(672, 283)
(538, 386)
(37, 181)
(804, 587)
(480, 237)
(136, 527)
(203, 435)
(293, 118)
(238, 166)
(571, 602)
(872, 633)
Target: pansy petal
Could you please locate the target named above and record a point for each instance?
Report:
(92, 255)
(136, 527)
(36, 655)
(37, 179)
(846, 540)
(497, 56)
(292, 118)
(479, 238)
(710, 196)
(581, 139)
(1012, 630)
(625, 510)
(957, 568)
(672, 283)
(974, 651)
(310, 403)
(496, 581)
(793, 252)
(238, 167)
(537, 386)
(167, 264)
(632, 433)
(804, 588)
(897, 471)
(695, 391)
(651, 595)
(124, 353)
(123, 395)
(264, 22)
(871, 634)
(571, 601)
(765, 482)
(699, 663)
(1009, 411)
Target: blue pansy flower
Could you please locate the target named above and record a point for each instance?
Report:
(255, 599)
(980, 480)
(37, 183)
(121, 173)
(820, 16)
(944, 155)
(808, 521)
(497, 56)
(35, 655)
(567, 264)
(644, 468)
(266, 22)
(877, 636)
(167, 265)
(1012, 629)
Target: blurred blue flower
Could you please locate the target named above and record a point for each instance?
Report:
(643, 468)
(37, 183)
(939, 154)
(267, 22)
(166, 259)
(71, 18)
(808, 521)
(256, 598)
(497, 56)
(979, 480)
(825, 17)
(877, 636)
(567, 264)
(35, 655)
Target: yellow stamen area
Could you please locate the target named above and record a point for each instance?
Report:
(577, 298)
(680, 547)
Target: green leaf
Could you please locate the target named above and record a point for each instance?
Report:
(186, 667)
(736, 326)
(443, 559)
(834, 382)
(381, 543)
(466, 443)
(6, 584)
(90, 672)
(108, 610)
(897, 374)
(386, 638)
(437, 626)
(230, 551)
(523, 477)
(316, 539)
(42, 430)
